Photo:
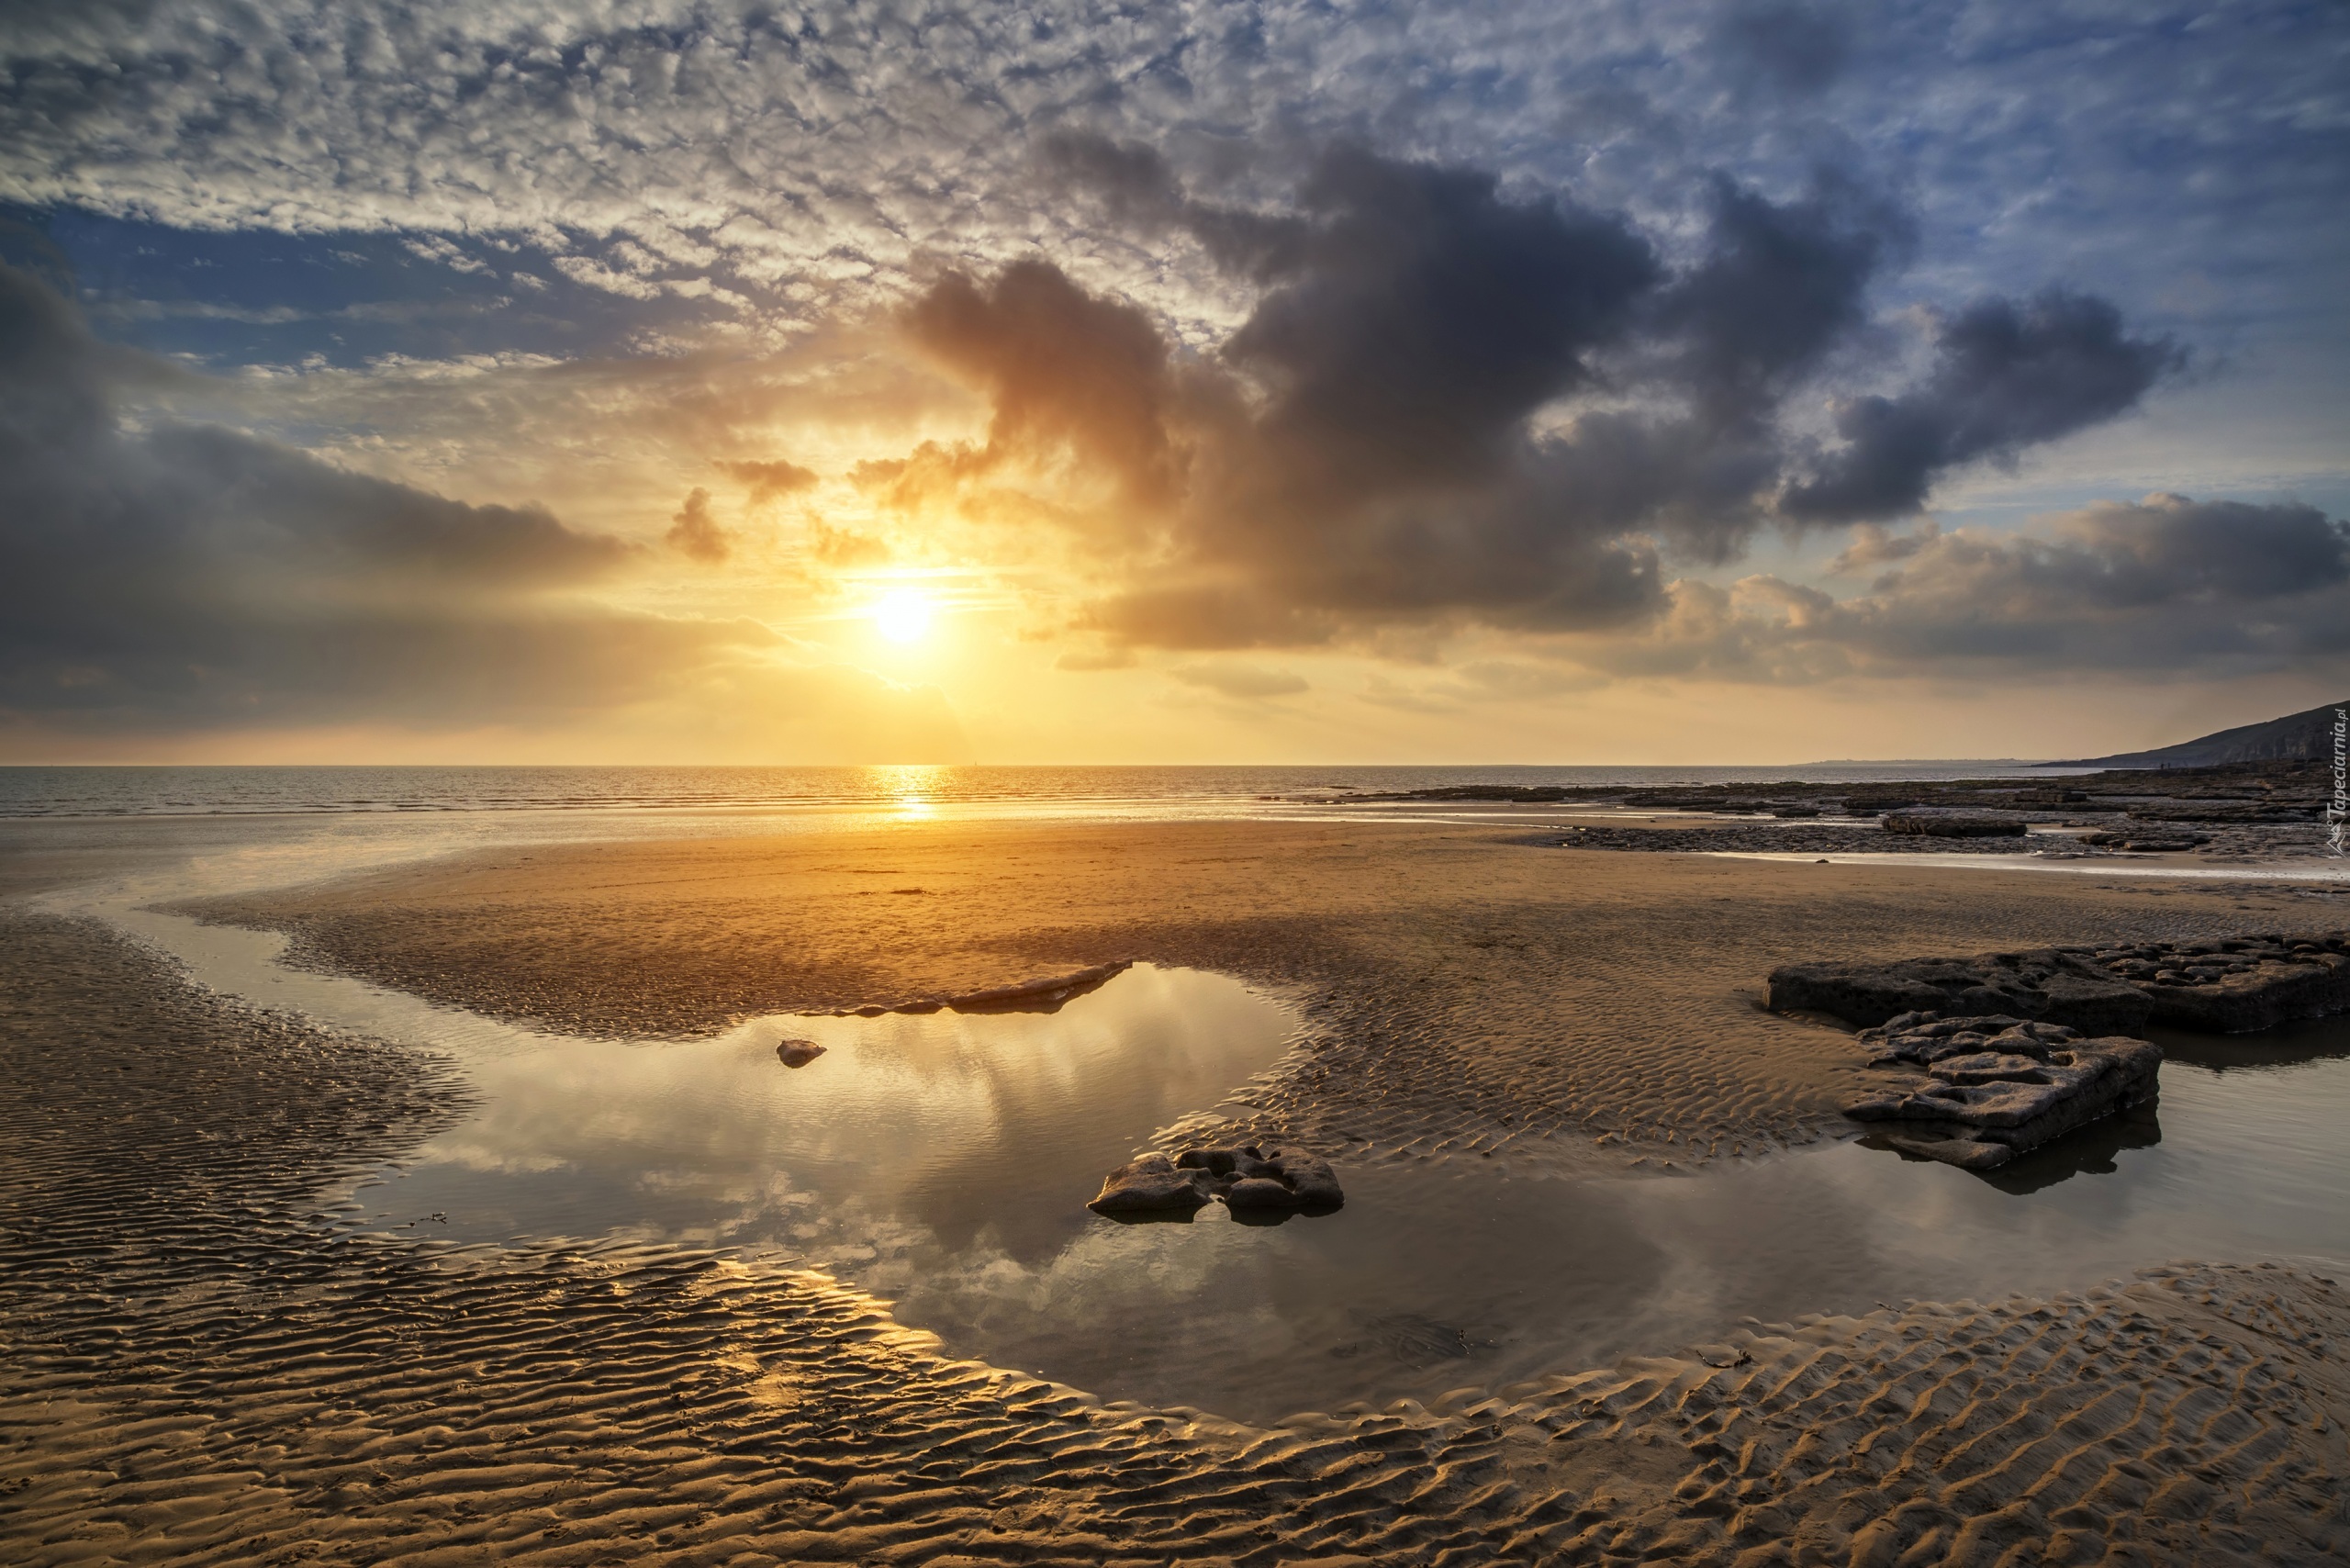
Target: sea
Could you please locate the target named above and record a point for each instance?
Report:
(206, 791)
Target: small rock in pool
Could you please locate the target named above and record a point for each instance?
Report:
(1152, 1184)
(798, 1053)
(1247, 1177)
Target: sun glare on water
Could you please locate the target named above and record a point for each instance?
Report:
(903, 617)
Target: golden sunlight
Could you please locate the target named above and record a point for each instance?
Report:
(903, 617)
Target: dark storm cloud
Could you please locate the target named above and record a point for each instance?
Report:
(2005, 378)
(1779, 285)
(1422, 318)
(1451, 404)
(1060, 367)
(189, 573)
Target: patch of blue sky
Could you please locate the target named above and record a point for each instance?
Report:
(230, 298)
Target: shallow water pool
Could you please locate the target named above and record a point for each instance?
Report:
(943, 1161)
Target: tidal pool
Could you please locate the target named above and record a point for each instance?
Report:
(943, 1161)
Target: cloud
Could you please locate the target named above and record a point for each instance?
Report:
(1273, 459)
(728, 139)
(1247, 683)
(169, 576)
(693, 533)
(1772, 45)
(1061, 368)
(2167, 584)
(591, 274)
(1448, 404)
(770, 481)
(2005, 378)
(1417, 319)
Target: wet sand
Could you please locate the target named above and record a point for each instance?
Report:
(1467, 990)
(200, 1370)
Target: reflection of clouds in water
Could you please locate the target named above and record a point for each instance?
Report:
(941, 1163)
(995, 1125)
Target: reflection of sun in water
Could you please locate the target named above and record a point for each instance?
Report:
(908, 788)
(903, 617)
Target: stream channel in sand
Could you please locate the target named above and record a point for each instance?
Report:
(943, 1161)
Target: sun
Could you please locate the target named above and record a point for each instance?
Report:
(903, 617)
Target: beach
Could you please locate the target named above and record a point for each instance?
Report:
(212, 1360)
(1471, 990)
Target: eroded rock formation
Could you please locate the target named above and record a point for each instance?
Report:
(2000, 1040)
(2235, 984)
(1993, 1087)
(2226, 986)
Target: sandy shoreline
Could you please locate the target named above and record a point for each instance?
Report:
(198, 1370)
(1468, 991)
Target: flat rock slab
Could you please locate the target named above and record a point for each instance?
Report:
(2237, 984)
(1247, 1177)
(2046, 985)
(2225, 986)
(1980, 1106)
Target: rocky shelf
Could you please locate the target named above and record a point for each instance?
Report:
(2237, 811)
(2002, 1052)
(2227, 986)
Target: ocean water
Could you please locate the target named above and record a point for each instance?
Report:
(318, 791)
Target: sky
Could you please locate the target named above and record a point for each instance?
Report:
(650, 382)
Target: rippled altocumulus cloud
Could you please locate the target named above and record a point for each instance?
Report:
(798, 151)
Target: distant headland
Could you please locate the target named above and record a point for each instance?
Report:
(2297, 737)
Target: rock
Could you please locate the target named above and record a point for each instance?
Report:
(2045, 985)
(1920, 1039)
(1980, 1109)
(1042, 995)
(2235, 984)
(1247, 1177)
(1260, 1192)
(2144, 843)
(1152, 1184)
(1232, 1162)
(1955, 827)
(798, 1053)
(1307, 1175)
(1964, 1153)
